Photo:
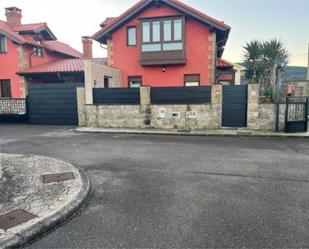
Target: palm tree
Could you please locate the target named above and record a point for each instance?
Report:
(253, 56)
(273, 49)
(259, 59)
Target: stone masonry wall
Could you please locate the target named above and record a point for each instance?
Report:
(182, 117)
(12, 106)
(186, 117)
(262, 116)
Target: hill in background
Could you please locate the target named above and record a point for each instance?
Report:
(294, 73)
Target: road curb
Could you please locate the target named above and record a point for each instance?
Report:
(58, 218)
(190, 133)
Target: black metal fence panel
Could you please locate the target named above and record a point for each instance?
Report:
(116, 96)
(181, 95)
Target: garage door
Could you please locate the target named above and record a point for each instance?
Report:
(53, 104)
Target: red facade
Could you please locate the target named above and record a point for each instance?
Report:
(196, 60)
(24, 46)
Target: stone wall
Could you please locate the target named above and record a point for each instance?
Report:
(262, 116)
(185, 117)
(182, 117)
(12, 106)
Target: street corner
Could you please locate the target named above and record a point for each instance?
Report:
(40, 193)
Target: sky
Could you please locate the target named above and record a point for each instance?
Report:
(287, 20)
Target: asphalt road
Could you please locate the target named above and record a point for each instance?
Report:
(178, 192)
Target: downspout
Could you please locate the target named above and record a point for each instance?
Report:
(30, 61)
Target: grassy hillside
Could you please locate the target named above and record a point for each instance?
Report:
(294, 73)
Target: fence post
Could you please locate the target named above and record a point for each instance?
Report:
(253, 106)
(88, 82)
(145, 98)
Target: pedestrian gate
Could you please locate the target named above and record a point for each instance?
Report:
(234, 106)
(296, 117)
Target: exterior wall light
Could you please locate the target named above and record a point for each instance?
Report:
(163, 69)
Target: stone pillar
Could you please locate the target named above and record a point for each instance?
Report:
(145, 95)
(253, 106)
(216, 94)
(216, 105)
(80, 93)
(212, 48)
(88, 82)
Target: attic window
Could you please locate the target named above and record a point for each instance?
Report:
(38, 51)
(3, 44)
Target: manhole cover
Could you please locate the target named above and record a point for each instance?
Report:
(15, 218)
(60, 177)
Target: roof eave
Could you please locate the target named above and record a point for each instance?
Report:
(36, 73)
(99, 36)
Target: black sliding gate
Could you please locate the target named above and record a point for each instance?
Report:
(234, 106)
(53, 104)
(296, 116)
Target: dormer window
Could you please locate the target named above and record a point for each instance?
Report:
(38, 51)
(162, 41)
(3, 44)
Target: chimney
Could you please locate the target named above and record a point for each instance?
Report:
(87, 47)
(13, 16)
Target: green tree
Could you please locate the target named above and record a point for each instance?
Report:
(259, 60)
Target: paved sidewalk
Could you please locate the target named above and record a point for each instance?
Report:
(35, 196)
(223, 132)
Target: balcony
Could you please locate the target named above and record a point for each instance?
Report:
(163, 41)
(152, 58)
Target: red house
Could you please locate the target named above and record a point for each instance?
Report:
(164, 43)
(24, 46)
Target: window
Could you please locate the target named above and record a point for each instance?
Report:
(107, 81)
(131, 36)
(146, 32)
(162, 35)
(156, 32)
(177, 30)
(38, 51)
(5, 89)
(167, 30)
(192, 80)
(135, 81)
(3, 44)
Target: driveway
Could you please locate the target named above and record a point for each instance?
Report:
(178, 192)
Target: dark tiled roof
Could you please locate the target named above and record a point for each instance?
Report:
(54, 45)
(62, 48)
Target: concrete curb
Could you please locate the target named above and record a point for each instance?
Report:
(192, 133)
(49, 223)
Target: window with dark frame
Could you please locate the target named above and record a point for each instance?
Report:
(38, 51)
(5, 89)
(163, 34)
(135, 81)
(192, 80)
(131, 36)
(3, 44)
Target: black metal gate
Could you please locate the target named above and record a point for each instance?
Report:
(234, 106)
(52, 104)
(296, 116)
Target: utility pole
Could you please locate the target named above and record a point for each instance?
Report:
(308, 65)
